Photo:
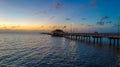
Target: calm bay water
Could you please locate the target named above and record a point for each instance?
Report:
(38, 50)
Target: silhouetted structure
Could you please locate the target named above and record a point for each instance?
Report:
(57, 32)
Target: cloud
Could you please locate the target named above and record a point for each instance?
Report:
(41, 26)
(4, 27)
(83, 18)
(116, 25)
(49, 26)
(102, 20)
(42, 12)
(90, 25)
(64, 26)
(67, 19)
(52, 17)
(18, 26)
(54, 27)
(100, 23)
(90, 5)
(82, 24)
(109, 22)
(39, 12)
(57, 5)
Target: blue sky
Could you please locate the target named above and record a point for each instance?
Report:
(83, 15)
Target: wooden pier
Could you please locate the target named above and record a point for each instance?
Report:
(96, 38)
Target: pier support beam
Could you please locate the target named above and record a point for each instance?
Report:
(76, 37)
(100, 41)
(110, 42)
(94, 40)
(89, 39)
(97, 40)
(117, 42)
(113, 42)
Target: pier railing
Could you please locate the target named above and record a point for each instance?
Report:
(93, 34)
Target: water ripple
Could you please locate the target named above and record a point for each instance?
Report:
(35, 50)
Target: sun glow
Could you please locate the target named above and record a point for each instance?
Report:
(30, 28)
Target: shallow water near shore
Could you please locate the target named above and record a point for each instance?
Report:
(39, 50)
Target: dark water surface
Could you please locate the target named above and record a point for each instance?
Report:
(38, 50)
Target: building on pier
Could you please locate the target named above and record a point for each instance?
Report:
(57, 32)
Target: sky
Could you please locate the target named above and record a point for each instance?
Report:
(78, 15)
